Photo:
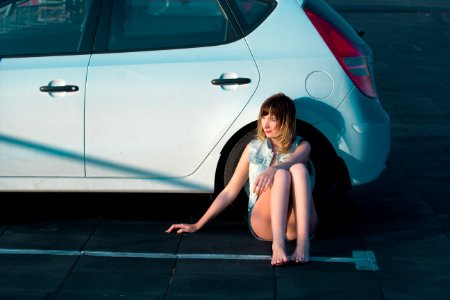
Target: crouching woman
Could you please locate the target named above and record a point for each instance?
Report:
(280, 205)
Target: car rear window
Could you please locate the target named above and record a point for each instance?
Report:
(251, 13)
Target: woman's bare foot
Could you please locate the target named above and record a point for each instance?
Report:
(279, 257)
(301, 253)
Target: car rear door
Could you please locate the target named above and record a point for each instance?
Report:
(167, 81)
(44, 54)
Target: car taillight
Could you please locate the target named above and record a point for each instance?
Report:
(352, 59)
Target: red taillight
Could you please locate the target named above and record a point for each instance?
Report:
(352, 59)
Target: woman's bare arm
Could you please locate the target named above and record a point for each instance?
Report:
(223, 200)
(300, 155)
(265, 179)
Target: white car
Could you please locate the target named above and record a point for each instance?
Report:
(163, 95)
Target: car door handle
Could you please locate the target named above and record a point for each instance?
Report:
(59, 89)
(231, 81)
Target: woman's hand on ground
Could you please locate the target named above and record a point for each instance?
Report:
(264, 180)
(182, 228)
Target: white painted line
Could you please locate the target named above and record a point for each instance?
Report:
(39, 252)
(363, 260)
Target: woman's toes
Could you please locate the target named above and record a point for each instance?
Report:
(279, 261)
(299, 260)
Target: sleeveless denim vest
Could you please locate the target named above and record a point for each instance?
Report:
(261, 156)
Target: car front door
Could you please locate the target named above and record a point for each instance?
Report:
(42, 84)
(171, 79)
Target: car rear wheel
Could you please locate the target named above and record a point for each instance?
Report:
(323, 158)
(240, 204)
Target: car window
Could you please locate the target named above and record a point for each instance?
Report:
(251, 13)
(165, 24)
(42, 27)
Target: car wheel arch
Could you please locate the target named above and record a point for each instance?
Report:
(320, 146)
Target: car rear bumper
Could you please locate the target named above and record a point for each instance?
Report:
(359, 131)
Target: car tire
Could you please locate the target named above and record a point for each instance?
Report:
(323, 159)
(240, 204)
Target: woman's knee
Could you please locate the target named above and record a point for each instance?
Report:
(282, 175)
(299, 170)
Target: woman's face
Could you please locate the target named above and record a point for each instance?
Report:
(271, 126)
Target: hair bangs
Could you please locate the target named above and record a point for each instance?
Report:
(270, 108)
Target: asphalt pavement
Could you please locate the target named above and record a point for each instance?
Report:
(385, 240)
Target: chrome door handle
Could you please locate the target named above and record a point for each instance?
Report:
(59, 89)
(231, 81)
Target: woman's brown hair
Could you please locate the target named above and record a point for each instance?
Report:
(283, 109)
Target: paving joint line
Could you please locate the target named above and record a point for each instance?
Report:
(363, 260)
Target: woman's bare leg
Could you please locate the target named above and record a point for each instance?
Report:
(291, 230)
(260, 217)
(303, 209)
(279, 202)
(269, 216)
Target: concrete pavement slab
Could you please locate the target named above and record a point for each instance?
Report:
(229, 286)
(33, 281)
(131, 284)
(415, 289)
(224, 237)
(94, 296)
(22, 296)
(50, 241)
(58, 233)
(133, 236)
(331, 287)
(235, 279)
(119, 276)
(32, 276)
